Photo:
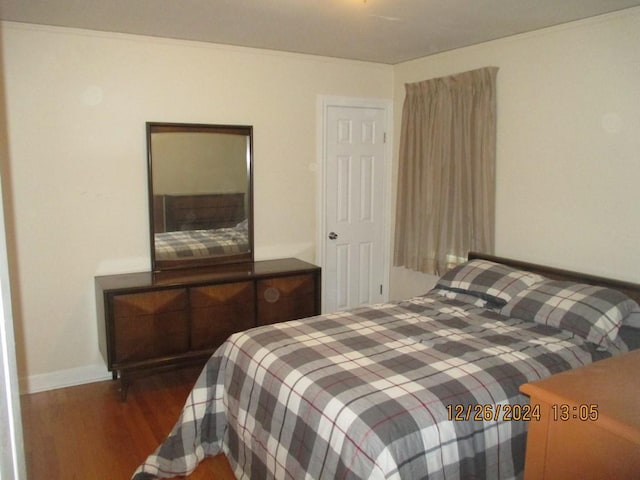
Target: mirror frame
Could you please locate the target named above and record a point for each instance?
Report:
(164, 127)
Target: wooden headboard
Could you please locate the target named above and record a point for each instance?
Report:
(198, 212)
(630, 289)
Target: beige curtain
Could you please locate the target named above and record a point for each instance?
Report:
(446, 183)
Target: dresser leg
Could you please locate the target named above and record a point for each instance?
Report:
(124, 385)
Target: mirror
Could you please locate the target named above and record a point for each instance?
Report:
(200, 194)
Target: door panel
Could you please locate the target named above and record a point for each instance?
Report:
(354, 194)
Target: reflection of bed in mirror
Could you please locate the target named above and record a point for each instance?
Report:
(200, 225)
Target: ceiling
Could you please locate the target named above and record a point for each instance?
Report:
(383, 31)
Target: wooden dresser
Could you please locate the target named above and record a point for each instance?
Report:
(150, 321)
(589, 425)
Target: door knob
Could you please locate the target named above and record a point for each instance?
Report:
(333, 236)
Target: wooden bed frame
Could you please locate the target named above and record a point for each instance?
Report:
(632, 290)
(208, 211)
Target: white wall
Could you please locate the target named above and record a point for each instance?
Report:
(568, 151)
(77, 103)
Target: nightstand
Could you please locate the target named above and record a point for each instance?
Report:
(589, 425)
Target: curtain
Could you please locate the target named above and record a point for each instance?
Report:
(446, 181)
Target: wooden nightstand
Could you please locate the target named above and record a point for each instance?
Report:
(589, 425)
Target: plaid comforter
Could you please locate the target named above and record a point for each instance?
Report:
(200, 243)
(369, 393)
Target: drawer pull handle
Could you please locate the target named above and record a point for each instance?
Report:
(272, 295)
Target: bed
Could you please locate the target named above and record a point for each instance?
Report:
(423, 388)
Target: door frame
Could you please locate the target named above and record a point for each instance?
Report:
(323, 103)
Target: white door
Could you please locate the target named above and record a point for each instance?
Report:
(354, 244)
(12, 462)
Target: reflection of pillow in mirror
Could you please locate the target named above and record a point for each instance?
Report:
(243, 225)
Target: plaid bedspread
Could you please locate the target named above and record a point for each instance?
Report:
(369, 393)
(200, 243)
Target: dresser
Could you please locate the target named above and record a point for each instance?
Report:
(153, 321)
(589, 425)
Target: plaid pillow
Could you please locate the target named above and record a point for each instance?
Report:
(493, 282)
(592, 313)
(632, 320)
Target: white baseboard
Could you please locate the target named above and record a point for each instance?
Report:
(64, 378)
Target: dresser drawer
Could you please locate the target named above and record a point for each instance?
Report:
(148, 303)
(217, 311)
(286, 298)
(589, 424)
(150, 325)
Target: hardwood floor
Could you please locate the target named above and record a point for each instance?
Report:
(87, 432)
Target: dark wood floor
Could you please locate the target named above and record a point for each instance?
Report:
(87, 432)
